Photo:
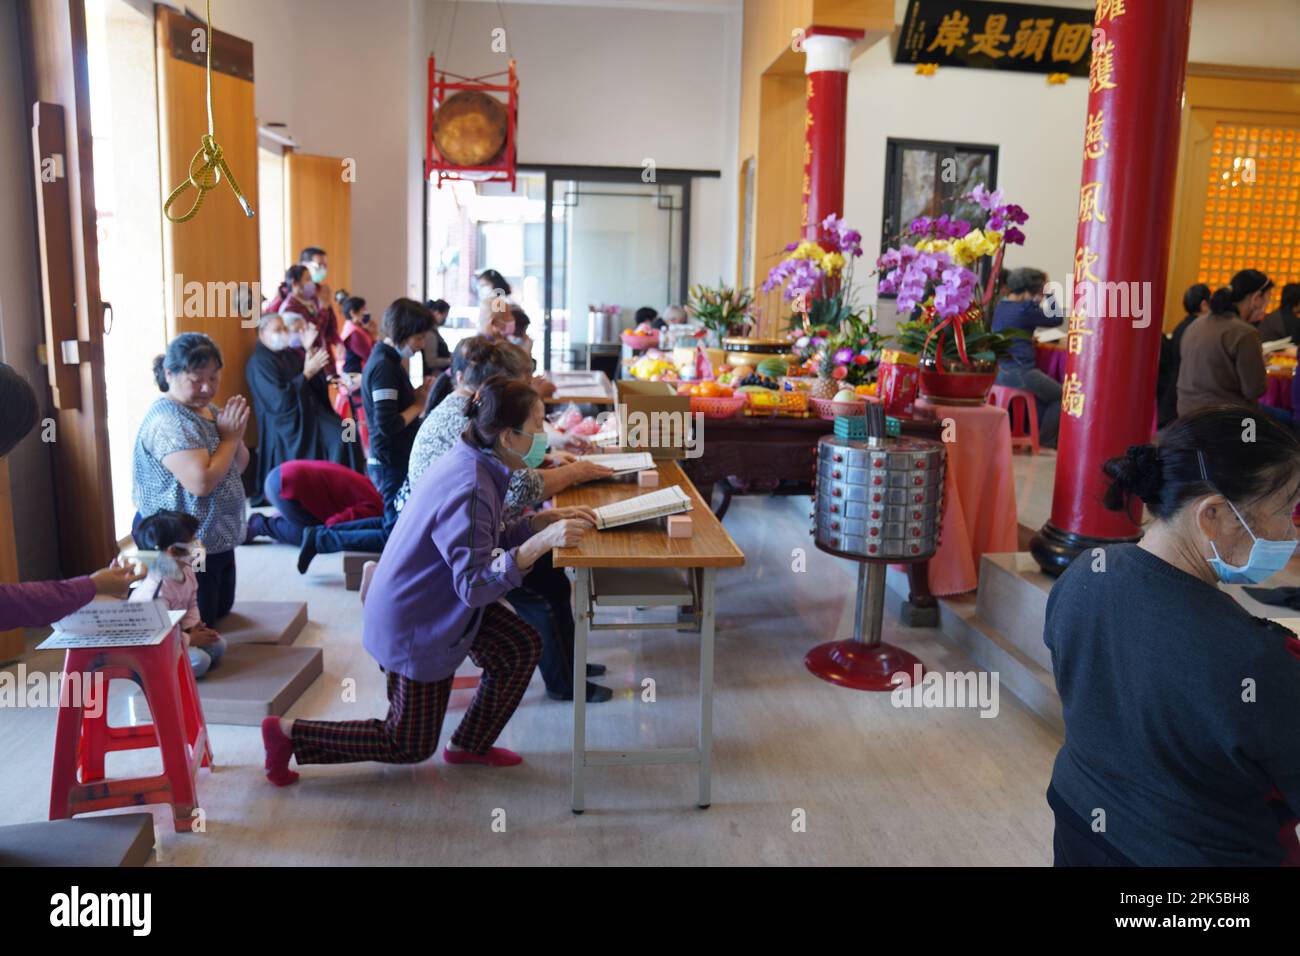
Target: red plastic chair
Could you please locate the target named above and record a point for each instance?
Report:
(1024, 426)
(82, 740)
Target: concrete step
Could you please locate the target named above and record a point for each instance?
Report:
(1012, 600)
(122, 839)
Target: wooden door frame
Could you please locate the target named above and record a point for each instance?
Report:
(55, 70)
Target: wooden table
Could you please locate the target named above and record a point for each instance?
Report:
(602, 394)
(645, 546)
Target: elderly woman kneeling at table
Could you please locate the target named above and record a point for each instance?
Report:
(436, 599)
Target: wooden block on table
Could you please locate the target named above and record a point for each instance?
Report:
(263, 622)
(254, 681)
(122, 839)
(647, 479)
(680, 526)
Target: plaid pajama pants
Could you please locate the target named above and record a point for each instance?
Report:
(505, 647)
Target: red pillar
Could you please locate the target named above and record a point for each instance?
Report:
(827, 66)
(1125, 211)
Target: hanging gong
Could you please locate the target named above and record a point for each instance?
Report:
(470, 128)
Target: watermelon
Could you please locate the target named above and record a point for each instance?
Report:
(772, 367)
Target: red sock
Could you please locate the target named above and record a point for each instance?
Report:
(495, 757)
(279, 748)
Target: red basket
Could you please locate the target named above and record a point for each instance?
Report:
(718, 407)
(640, 343)
(830, 409)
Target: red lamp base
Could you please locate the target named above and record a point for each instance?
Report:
(862, 666)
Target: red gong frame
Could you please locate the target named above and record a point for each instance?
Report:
(442, 85)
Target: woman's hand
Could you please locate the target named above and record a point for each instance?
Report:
(550, 516)
(316, 360)
(116, 579)
(233, 419)
(561, 458)
(566, 533)
(588, 471)
(310, 334)
(202, 636)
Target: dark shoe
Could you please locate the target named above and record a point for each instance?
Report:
(596, 694)
(595, 670)
(308, 549)
(256, 527)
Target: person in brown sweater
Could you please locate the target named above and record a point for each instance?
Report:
(1222, 361)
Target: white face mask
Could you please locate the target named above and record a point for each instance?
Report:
(277, 341)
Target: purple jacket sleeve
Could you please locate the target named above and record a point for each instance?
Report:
(466, 536)
(38, 603)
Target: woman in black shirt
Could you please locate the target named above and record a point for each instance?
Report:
(392, 405)
(1180, 707)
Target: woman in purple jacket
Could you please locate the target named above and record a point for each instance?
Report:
(38, 603)
(437, 597)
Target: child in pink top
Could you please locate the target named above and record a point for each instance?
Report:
(171, 578)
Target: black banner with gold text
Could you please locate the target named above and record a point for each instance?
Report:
(1027, 38)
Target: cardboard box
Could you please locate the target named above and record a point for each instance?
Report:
(654, 418)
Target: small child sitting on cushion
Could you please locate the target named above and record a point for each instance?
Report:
(171, 577)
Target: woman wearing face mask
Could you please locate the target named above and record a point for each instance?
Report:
(40, 603)
(300, 295)
(290, 392)
(189, 455)
(1022, 308)
(436, 599)
(392, 405)
(1180, 707)
(1221, 357)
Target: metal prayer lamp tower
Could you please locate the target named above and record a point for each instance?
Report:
(443, 86)
(878, 501)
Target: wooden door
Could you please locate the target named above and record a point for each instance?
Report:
(318, 191)
(1238, 181)
(218, 248)
(53, 38)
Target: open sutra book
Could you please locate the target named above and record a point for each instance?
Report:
(666, 501)
(625, 463)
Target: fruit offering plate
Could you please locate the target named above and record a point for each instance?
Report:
(719, 407)
(829, 409)
(774, 404)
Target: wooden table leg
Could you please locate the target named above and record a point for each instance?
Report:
(920, 609)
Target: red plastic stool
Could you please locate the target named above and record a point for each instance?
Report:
(1024, 427)
(179, 731)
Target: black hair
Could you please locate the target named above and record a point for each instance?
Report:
(403, 319)
(1194, 296)
(498, 405)
(1244, 283)
(496, 279)
(162, 529)
(1026, 280)
(310, 253)
(188, 352)
(1290, 297)
(353, 305)
(522, 321)
(646, 314)
(19, 408)
(1166, 475)
(438, 305)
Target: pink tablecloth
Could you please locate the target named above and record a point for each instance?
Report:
(979, 501)
(1278, 393)
(1051, 361)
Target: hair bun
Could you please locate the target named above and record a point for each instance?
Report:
(1137, 473)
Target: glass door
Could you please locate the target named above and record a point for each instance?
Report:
(614, 244)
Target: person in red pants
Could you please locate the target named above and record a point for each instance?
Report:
(437, 598)
(308, 494)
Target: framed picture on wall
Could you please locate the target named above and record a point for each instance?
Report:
(925, 178)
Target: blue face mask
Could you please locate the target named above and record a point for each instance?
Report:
(295, 340)
(537, 453)
(1265, 560)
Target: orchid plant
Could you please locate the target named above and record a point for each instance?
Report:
(722, 310)
(936, 272)
(816, 277)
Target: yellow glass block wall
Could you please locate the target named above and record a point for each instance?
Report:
(1252, 201)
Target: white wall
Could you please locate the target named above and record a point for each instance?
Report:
(615, 86)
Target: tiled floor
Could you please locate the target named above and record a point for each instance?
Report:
(875, 784)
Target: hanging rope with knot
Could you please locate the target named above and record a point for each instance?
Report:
(209, 163)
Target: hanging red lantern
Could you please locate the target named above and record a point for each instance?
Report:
(471, 126)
